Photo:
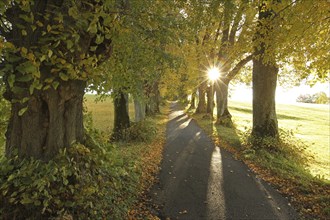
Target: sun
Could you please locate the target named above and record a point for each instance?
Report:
(213, 73)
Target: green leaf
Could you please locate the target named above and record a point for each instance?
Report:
(11, 80)
(27, 67)
(24, 33)
(26, 200)
(55, 84)
(46, 87)
(92, 28)
(99, 39)
(22, 111)
(42, 58)
(31, 89)
(64, 77)
(24, 50)
(24, 78)
(69, 44)
(50, 53)
(25, 99)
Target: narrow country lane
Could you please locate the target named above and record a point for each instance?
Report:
(201, 181)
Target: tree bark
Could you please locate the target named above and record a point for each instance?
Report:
(264, 109)
(222, 87)
(223, 114)
(192, 101)
(152, 107)
(201, 107)
(264, 79)
(208, 99)
(121, 117)
(53, 121)
(140, 109)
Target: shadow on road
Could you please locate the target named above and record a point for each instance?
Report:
(201, 181)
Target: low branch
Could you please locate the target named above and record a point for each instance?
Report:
(238, 67)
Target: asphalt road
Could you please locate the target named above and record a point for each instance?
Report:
(200, 181)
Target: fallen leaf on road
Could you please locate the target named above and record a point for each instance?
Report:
(183, 212)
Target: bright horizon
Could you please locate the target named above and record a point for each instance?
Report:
(242, 92)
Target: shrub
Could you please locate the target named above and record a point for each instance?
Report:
(318, 98)
(81, 182)
(321, 98)
(286, 145)
(139, 131)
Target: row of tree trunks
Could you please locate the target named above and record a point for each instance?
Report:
(53, 120)
(121, 111)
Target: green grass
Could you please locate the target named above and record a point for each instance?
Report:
(103, 112)
(309, 122)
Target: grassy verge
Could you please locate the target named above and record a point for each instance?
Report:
(145, 155)
(103, 112)
(287, 168)
(309, 122)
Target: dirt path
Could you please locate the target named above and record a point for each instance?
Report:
(201, 181)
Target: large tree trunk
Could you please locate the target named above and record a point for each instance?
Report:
(140, 109)
(209, 99)
(264, 109)
(53, 120)
(223, 114)
(264, 80)
(192, 101)
(152, 107)
(121, 117)
(201, 107)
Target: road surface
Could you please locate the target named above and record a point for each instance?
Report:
(201, 181)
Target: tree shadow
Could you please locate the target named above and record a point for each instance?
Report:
(183, 180)
(279, 116)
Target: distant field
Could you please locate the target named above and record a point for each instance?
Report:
(103, 112)
(310, 122)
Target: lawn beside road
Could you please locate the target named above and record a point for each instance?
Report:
(309, 122)
(103, 112)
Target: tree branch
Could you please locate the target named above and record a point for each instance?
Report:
(238, 67)
(237, 19)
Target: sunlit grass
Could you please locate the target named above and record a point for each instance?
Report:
(309, 122)
(103, 112)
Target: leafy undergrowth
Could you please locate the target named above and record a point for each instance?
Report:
(4, 117)
(148, 158)
(281, 163)
(97, 180)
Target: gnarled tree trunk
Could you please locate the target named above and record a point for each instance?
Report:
(53, 120)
